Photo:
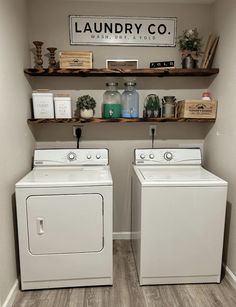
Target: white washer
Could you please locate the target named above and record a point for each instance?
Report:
(178, 215)
(64, 215)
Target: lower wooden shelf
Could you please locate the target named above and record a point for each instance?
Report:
(118, 120)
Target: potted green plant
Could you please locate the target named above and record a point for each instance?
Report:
(85, 106)
(190, 46)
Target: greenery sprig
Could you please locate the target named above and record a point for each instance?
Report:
(190, 42)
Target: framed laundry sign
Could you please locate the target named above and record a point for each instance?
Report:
(127, 31)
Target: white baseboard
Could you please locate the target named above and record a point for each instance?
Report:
(121, 235)
(11, 295)
(230, 275)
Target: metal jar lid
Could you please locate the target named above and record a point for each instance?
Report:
(112, 84)
(130, 83)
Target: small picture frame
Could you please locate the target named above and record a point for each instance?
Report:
(121, 64)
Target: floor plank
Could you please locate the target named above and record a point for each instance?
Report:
(126, 291)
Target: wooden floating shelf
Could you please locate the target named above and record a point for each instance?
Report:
(145, 72)
(119, 120)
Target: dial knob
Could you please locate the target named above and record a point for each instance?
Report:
(89, 156)
(71, 156)
(151, 156)
(168, 156)
(142, 156)
(98, 156)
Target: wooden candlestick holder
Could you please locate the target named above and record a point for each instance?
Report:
(52, 61)
(38, 55)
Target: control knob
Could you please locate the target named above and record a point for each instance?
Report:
(98, 156)
(89, 156)
(168, 156)
(151, 156)
(71, 156)
(142, 156)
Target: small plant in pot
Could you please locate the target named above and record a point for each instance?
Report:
(190, 46)
(85, 106)
(152, 106)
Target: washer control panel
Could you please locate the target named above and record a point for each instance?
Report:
(167, 156)
(64, 157)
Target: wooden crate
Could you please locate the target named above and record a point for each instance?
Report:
(76, 59)
(196, 109)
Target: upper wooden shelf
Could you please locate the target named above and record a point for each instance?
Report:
(146, 72)
(118, 120)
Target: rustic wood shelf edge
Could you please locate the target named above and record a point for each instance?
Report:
(148, 72)
(118, 120)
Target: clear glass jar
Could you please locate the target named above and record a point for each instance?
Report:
(111, 107)
(130, 101)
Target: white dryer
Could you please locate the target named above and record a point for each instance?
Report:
(178, 216)
(64, 216)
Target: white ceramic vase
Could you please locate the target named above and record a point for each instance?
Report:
(86, 114)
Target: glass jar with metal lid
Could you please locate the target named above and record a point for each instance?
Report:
(111, 107)
(130, 101)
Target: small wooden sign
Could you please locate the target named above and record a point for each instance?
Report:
(76, 59)
(121, 64)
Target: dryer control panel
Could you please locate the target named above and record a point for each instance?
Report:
(168, 156)
(67, 157)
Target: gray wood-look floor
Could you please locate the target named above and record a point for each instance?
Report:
(126, 291)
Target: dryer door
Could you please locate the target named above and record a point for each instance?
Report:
(65, 223)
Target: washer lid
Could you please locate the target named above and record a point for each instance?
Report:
(179, 175)
(67, 177)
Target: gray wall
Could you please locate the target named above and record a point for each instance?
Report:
(121, 139)
(220, 146)
(16, 138)
(49, 22)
